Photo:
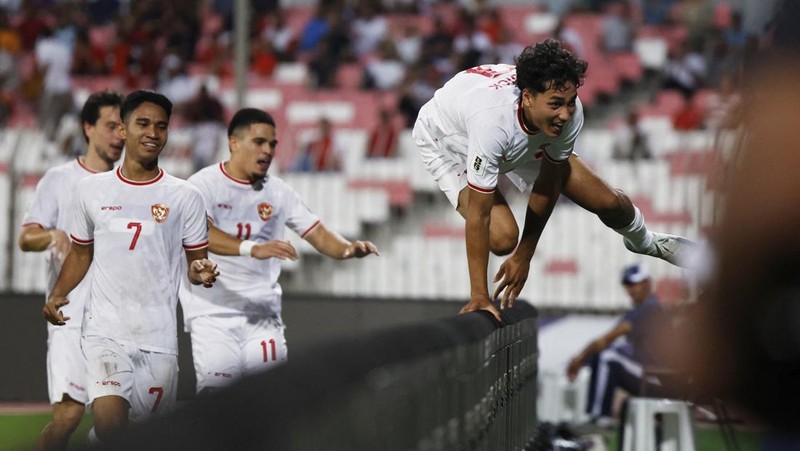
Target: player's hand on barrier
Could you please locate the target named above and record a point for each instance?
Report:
(274, 249)
(360, 249)
(512, 275)
(204, 271)
(481, 303)
(52, 310)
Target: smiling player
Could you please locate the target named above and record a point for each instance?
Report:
(519, 123)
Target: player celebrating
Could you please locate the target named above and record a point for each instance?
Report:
(43, 230)
(520, 122)
(236, 326)
(133, 224)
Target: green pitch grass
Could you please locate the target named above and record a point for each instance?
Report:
(18, 432)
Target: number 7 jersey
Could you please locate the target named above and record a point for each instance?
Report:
(258, 212)
(139, 231)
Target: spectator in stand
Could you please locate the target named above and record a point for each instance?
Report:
(507, 49)
(278, 33)
(424, 79)
(369, 28)
(724, 106)
(385, 71)
(409, 44)
(263, 57)
(618, 27)
(175, 82)
(332, 50)
(316, 28)
(383, 137)
(207, 116)
(571, 39)
(630, 142)
(656, 12)
(685, 70)
(689, 116)
(10, 44)
(437, 47)
(321, 154)
(473, 46)
(54, 59)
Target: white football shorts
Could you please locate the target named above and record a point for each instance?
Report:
(66, 367)
(228, 347)
(147, 380)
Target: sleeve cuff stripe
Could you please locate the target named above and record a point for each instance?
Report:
(481, 189)
(313, 226)
(80, 241)
(192, 247)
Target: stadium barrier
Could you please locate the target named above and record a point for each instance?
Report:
(456, 383)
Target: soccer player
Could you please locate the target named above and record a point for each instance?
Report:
(43, 230)
(133, 225)
(520, 122)
(236, 326)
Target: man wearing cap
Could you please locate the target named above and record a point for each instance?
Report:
(620, 364)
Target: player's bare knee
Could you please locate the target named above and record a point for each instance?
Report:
(503, 244)
(68, 414)
(617, 211)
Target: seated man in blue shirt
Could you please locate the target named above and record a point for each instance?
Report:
(619, 364)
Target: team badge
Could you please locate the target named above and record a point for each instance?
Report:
(159, 212)
(264, 211)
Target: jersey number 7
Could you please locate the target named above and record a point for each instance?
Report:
(136, 233)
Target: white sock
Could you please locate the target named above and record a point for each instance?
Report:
(637, 237)
(91, 438)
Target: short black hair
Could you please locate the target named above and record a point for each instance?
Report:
(548, 64)
(136, 98)
(90, 112)
(247, 117)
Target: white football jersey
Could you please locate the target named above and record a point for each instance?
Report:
(139, 231)
(52, 208)
(250, 212)
(476, 120)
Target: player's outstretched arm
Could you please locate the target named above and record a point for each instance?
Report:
(333, 245)
(513, 272)
(36, 239)
(222, 243)
(72, 272)
(202, 271)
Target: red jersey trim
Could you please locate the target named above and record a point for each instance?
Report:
(80, 241)
(481, 189)
(234, 179)
(87, 168)
(521, 120)
(194, 247)
(553, 160)
(313, 226)
(31, 224)
(135, 183)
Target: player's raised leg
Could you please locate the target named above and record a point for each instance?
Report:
(617, 211)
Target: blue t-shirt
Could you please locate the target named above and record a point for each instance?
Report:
(645, 319)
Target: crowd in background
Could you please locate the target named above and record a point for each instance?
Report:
(159, 45)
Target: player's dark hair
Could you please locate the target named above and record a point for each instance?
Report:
(136, 98)
(90, 112)
(247, 117)
(548, 64)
